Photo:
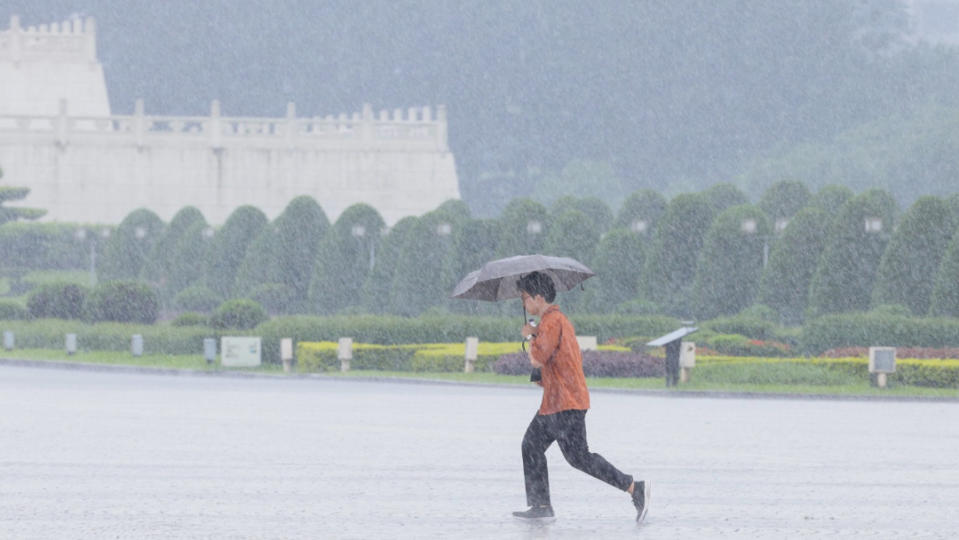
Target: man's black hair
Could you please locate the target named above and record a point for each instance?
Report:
(536, 283)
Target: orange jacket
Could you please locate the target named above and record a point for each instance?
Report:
(555, 346)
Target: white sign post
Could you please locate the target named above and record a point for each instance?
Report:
(687, 359)
(472, 352)
(240, 351)
(344, 352)
(286, 353)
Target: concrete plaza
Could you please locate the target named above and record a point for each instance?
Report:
(124, 455)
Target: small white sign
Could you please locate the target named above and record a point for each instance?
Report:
(240, 351)
(587, 343)
(472, 348)
(687, 354)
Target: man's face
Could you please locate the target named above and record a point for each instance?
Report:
(533, 304)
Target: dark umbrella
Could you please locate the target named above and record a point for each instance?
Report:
(496, 280)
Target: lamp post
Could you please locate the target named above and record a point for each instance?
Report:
(82, 235)
(359, 232)
(749, 226)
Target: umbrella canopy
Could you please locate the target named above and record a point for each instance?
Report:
(496, 280)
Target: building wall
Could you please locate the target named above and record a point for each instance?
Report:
(82, 164)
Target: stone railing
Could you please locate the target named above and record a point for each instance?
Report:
(415, 125)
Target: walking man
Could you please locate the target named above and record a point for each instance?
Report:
(562, 413)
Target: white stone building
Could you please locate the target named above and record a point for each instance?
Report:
(83, 164)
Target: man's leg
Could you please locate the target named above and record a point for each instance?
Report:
(571, 436)
(537, 439)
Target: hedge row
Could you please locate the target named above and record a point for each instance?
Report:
(937, 373)
(386, 330)
(430, 357)
(878, 329)
(49, 334)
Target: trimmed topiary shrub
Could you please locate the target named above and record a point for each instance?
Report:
(123, 301)
(197, 298)
(239, 314)
(275, 297)
(57, 301)
(13, 310)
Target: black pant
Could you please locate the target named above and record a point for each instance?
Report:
(568, 428)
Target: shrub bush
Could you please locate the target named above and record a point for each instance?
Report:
(274, 297)
(110, 336)
(386, 330)
(197, 298)
(123, 301)
(57, 300)
(322, 356)
(737, 345)
(866, 329)
(191, 318)
(451, 357)
(744, 324)
(239, 314)
(10, 309)
(595, 364)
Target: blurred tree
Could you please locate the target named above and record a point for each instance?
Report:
(618, 264)
(599, 215)
(855, 243)
(345, 258)
(524, 226)
(189, 259)
(792, 262)
(908, 268)
(158, 266)
(572, 235)
(128, 247)
(641, 211)
(284, 253)
(783, 199)
(945, 293)
(723, 196)
(671, 263)
(474, 244)
(378, 289)
(229, 247)
(731, 262)
(830, 199)
(424, 273)
(7, 213)
(953, 202)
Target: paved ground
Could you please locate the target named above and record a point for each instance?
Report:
(105, 455)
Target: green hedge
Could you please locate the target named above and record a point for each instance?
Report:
(238, 314)
(122, 301)
(11, 309)
(322, 356)
(164, 339)
(386, 330)
(878, 329)
(936, 373)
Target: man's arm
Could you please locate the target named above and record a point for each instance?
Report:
(545, 343)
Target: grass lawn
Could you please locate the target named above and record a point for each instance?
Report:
(841, 387)
(185, 361)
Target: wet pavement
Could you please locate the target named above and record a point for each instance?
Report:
(108, 455)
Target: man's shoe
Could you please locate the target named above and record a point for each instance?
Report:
(641, 499)
(536, 512)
